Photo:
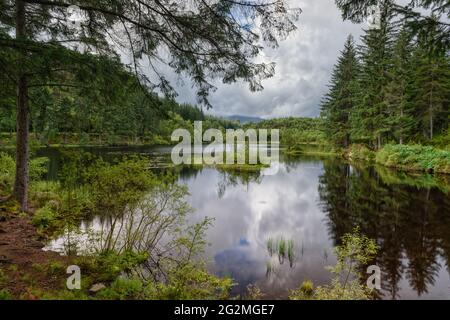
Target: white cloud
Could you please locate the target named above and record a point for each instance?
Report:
(304, 63)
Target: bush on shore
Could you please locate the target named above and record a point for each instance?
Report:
(414, 158)
(404, 157)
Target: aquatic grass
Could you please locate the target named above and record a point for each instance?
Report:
(270, 246)
(291, 253)
(270, 269)
(281, 246)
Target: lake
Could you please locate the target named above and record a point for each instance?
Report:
(311, 203)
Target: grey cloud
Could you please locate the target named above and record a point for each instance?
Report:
(303, 65)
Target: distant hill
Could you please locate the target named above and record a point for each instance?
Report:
(244, 119)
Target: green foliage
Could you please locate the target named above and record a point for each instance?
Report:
(37, 170)
(7, 172)
(42, 192)
(186, 283)
(418, 181)
(396, 89)
(270, 246)
(294, 131)
(123, 289)
(190, 282)
(5, 294)
(3, 277)
(106, 267)
(114, 186)
(442, 141)
(45, 218)
(304, 292)
(59, 208)
(360, 152)
(414, 157)
(281, 247)
(355, 251)
(341, 98)
(125, 99)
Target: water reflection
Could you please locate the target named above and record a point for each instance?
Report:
(314, 202)
(311, 203)
(410, 223)
(249, 210)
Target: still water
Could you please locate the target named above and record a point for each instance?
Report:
(312, 202)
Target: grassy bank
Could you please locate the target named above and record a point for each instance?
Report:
(404, 157)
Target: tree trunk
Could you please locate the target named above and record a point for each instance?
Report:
(21, 181)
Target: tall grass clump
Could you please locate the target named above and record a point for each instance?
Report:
(282, 249)
(291, 253)
(270, 246)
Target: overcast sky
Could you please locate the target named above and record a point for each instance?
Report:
(303, 65)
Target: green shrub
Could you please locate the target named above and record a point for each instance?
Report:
(123, 289)
(193, 283)
(7, 172)
(355, 252)
(42, 192)
(37, 170)
(46, 218)
(360, 152)
(114, 186)
(84, 138)
(5, 295)
(108, 266)
(414, 157)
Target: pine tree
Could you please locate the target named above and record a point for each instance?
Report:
(400, 118)
(429, 90)
(341, 98)
(370, 121)
(202, 39)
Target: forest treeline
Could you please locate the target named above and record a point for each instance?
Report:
(65, 115)
(392, 88)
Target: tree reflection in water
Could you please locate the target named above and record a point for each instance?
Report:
(408, 217)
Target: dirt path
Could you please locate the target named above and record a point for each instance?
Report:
(22, 261)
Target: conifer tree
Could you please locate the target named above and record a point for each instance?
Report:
(203, 39)
(400, 118)
(430, 87)
(370, 122)
(341, 98)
